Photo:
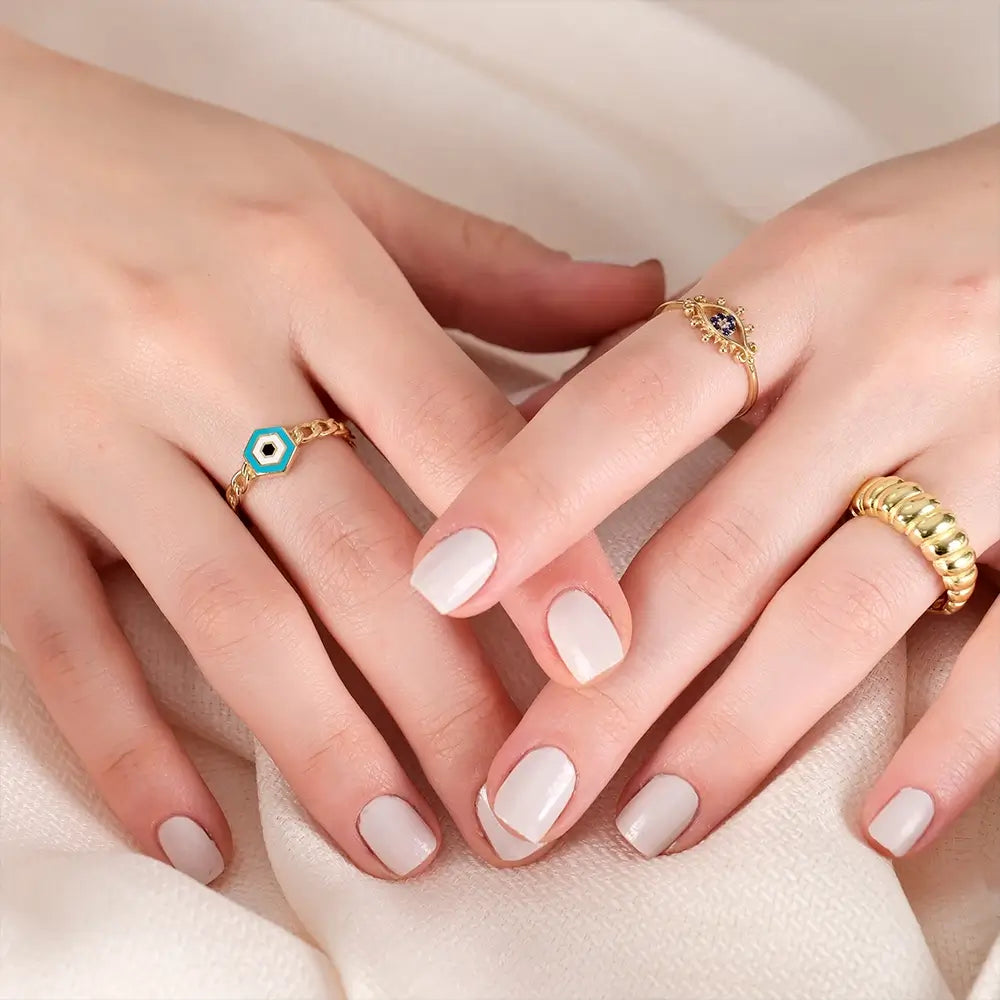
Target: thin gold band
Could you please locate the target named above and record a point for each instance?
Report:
(723, 326)
(913, 512)
(271, 450)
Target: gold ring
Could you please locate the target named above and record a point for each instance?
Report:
(270, 451)
(724, 327)
(913, 512)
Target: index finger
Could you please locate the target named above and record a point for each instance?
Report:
(604, 436)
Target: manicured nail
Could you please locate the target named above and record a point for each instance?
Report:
(506, 845)
(455, 569)
(535, 793)
(658, 814)
(189, 849)
(584, 636)
(901, 822)
(396, 834)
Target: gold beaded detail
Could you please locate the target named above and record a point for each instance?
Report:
(722, 325)
(921, 518)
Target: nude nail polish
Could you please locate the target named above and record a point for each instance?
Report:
(396, 834)
(902, 821)
(506, 845)
(190, 849)
(455, 569)
(584, 636)
(535, 792)
(658, 814)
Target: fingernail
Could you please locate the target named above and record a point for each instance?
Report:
(658, 814)
(506, 845)
(901, 822)
(189, 849)
(535, 793)
(396, 834)
(584, 636)
(455, 569)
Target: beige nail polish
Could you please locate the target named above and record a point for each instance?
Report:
(455, 569)
(396, 834)
(535, 792)
(506, 845)
(658, 814)
(901, 822)
(584, 636)
(190, 849)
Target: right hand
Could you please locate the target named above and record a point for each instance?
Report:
(173, 276)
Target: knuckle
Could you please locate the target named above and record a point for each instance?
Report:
(340, 750)
(853, 612)
(637, 394)
(976, 750)
(450, 433)
(716, 561)
(356, 558)
(615, 717)
(221, 612)
(725, 736)
(449, 733)
(130, 765)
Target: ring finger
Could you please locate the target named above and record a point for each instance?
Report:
(347, 547)
(820, 635)
(251, 635)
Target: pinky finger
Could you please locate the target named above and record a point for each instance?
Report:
(85, 672)
(949, 755)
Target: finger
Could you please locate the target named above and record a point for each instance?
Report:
(606, 434)
(437, 418)
(818, 637)
(57, 616)
(347, 547)
(490, 279)
(254, 640)
(948, 757)
(709, 572)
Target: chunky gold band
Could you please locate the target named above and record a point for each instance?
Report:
(723, 326)
(913, 512)
(270, 451)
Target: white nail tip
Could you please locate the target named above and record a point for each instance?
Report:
(190, 849)
(455, 569)
(535, 792)
(658, 814)
(584, 636)
(901, 822)
(506, 845)
(396, 834)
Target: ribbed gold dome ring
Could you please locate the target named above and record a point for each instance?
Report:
(913, 512)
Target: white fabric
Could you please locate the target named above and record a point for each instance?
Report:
(615, 128)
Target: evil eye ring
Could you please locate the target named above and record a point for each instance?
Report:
(271, 450)
(723, 326)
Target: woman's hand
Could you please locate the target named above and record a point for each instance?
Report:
(876, 308)
(174, 276)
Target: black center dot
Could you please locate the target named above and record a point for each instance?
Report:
(268, 450)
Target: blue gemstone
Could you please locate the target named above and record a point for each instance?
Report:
(726, 325)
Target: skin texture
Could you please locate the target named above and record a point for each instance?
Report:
(876, 305)
(173, 276)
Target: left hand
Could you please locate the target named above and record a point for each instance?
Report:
(876, 310)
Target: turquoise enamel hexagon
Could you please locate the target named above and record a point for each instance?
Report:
(269, 450)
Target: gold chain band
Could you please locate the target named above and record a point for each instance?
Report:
(913, 512)
(722, 325)
(270, 451)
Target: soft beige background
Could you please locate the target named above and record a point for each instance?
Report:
(615, 128)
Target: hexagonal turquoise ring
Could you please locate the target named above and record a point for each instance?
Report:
(271, 450)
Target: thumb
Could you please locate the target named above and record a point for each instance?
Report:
(490, 279)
